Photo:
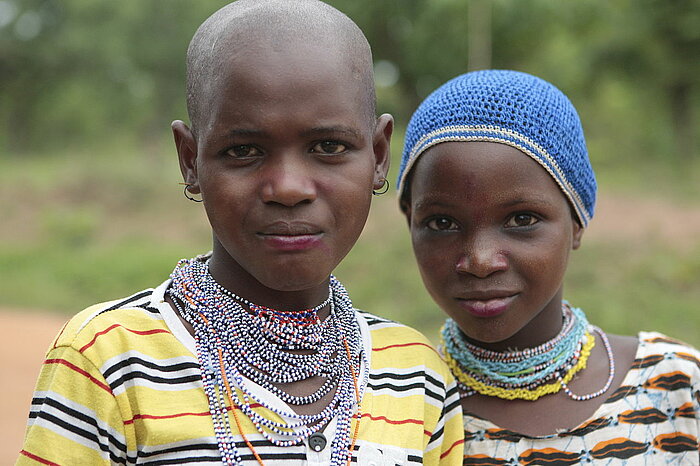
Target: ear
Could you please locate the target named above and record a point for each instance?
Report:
(381, 144)
(406, 209)
(187, 154)
(578, 233)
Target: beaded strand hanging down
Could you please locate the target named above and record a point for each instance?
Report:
(235, 346)
(531, 373)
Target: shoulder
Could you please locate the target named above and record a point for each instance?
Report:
(404, 362)
(668, 355)
(386, 332)
(655, 342)
(134, 312)
(399, 345)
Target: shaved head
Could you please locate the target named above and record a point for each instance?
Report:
(259, 25)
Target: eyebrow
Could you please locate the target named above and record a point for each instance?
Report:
(425, 203)
(518, 201)
(331, 130)
(315, 131)
(246, 132)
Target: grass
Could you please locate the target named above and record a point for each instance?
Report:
(81, 228)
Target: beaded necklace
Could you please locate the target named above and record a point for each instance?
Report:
(236, 346)
(531, 373)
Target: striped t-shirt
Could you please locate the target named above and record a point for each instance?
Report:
(653, 418)
(121, 385)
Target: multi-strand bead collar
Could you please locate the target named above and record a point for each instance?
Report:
(236, 346)
(531, 373)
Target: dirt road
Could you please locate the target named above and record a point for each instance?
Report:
(26, 336)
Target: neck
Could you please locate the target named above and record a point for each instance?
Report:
(232, 276)
(543, 327)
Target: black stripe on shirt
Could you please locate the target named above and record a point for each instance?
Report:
(91, 436)
(133, 360)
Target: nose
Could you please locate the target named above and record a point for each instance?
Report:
(482, 257)
(288, 181)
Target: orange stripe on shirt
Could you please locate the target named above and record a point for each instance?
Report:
(58, 337)
(403, 345)
(171, 416)
(391, 421)
(449, 450)
(112, 327)
(38, 458)
(80, 371)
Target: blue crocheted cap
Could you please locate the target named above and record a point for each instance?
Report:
(512, 108)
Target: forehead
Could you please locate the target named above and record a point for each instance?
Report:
(479, 173)
(265, 75)
(258, 64)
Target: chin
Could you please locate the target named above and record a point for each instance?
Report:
(295, 281)
(491, 332)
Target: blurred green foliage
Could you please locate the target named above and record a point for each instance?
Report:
(77, 70)
(91, 209)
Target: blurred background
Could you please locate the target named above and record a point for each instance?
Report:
(91, 210)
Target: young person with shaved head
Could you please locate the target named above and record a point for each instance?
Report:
(253, 353)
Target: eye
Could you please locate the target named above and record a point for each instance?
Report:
(329, 147)
(441, 224)
(244, 151)
(521, 220)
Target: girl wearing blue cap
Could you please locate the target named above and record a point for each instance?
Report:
(497, 188)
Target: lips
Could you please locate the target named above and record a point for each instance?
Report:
(487, 303)
(291, 236)
(290, 229)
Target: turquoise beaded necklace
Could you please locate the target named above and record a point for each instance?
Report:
(526, 371)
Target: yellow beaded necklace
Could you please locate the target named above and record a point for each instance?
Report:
(531, 373)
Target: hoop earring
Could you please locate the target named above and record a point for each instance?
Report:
(187, 194)
(383, 189)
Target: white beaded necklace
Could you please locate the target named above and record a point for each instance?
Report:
(235, 346)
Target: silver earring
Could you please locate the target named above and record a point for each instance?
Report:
(383, 189)
(188, 195)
